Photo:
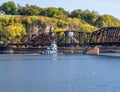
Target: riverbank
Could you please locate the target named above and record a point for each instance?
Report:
(41, 49)
(66, 50)
(6, 50)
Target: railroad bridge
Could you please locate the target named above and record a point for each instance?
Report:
(107, 36)
(65, 38)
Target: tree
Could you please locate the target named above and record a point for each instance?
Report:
(66, 13)
(43, 12)
(29, 10)
(107, 20)
(9, 7)
(21, 10)
(15, 30)
(89, 17)
(76, 13)
(54, 13)
(3, 35)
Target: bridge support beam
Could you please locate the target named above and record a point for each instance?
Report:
(91, 50)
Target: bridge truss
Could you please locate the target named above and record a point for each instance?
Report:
(108, 36)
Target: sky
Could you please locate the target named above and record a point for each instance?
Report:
(110, 7)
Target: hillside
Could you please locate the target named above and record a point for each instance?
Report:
(31, 19)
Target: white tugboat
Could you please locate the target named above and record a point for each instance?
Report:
(52, 49)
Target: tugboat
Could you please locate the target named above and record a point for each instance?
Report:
(51, 50)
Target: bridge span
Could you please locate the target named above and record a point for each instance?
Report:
(65, 38)
(107, 36)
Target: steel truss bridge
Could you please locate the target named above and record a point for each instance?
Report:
(107, 36)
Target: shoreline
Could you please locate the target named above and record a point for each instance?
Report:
(66, 50)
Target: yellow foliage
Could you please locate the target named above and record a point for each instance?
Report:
(16, 30)
(29, 21)
(59, 29)
(87, 28)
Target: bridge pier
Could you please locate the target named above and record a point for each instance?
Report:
(91, 50)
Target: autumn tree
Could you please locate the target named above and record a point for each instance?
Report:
(15, 30)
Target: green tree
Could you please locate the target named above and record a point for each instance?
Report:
(76, 13)
(9, 7)
(43, 12)
(89, 17)
(66, 13)
(54, 13)
(21, 10)
(107, 20)
(29, 10)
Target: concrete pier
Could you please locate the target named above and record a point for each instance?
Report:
(93, 51)
(104, 49)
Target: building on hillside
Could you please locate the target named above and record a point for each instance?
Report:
(2, 12)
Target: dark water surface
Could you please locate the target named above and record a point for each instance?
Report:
(61, 73)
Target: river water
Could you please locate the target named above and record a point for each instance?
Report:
(61, 73)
